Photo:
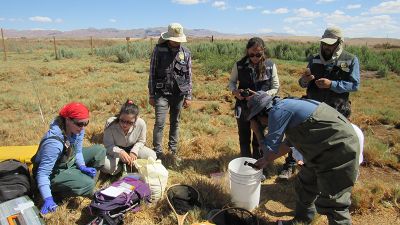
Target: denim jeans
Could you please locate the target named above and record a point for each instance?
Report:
(162, 104)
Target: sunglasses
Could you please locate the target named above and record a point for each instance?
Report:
(258, 55)
(80, 124)
(130, 123)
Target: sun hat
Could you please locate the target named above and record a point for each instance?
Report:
(331, 35)
(259, 101)
(174, 33)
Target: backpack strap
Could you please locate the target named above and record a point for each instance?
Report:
(41, 142)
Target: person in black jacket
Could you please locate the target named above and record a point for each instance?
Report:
(254, 72)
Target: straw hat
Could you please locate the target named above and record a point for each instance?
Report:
(331, 35)
(174, 33)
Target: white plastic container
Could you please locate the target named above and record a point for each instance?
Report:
(245, 183)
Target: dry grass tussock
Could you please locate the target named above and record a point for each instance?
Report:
(208, 130)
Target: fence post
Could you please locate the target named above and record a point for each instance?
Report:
(4, 45)
(127, 43)
(55, 47)
(91, 45)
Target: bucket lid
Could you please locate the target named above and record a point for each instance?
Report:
(237, 166)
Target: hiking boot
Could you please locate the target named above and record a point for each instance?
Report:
(263, 178)
(287, 173)
(290, 222)
(160, 155)
(176, 160)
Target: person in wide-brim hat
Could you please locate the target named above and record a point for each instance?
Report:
(328, 143)
(174, 33)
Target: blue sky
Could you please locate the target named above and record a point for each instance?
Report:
(358, 18)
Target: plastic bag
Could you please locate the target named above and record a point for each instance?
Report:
(154, 174)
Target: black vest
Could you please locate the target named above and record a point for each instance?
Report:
(339, 71)
(172, 71)
(247, 78)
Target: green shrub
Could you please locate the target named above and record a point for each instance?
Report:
(123, 56)
(383, 71)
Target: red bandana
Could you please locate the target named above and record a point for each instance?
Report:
(75, 110)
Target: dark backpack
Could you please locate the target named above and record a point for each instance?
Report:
(14, 180)
(110, 210)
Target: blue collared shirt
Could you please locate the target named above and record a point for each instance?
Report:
(342, 86)
(285, 114)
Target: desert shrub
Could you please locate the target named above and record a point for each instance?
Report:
(288, 51)
(66, 53)
(378, 153)
(383, 71)
(123, 56)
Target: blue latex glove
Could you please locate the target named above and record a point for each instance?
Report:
(90, 171)
(48, 206)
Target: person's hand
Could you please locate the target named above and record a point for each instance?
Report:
(307, 76)
(124, 156)
(186, 103)
(323, 83)
(48, 206)
(90, 171)
(133, 157)
(262, 163)
(237, 92)
(152, 102)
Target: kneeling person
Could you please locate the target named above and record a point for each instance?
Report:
(124, 139)
(61, 165)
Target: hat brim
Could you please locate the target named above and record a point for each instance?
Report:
(165, 36)
(257, 110)
(329, 41)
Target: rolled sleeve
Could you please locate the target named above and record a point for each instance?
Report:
(152, 73)
(232, 85)
(275, 82)
(78, 151)
(341, 86)
(189, 95)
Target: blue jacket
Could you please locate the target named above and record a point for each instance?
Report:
(48, 154)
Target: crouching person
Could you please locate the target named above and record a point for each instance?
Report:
(329, 145)
(124, 138)
(62, 167)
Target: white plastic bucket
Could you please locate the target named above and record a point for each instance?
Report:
(245, 183)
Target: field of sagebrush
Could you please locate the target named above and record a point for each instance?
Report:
(34, 78)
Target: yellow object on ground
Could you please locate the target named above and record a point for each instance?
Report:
(20, 153)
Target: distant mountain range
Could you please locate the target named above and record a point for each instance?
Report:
(116, 33)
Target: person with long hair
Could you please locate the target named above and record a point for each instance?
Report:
(125, 139)
(254, 72)
(61, 166)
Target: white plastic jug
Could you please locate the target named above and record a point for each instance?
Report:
(154, 174)
(245, 183)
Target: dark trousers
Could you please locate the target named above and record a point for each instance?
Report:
(246, 140)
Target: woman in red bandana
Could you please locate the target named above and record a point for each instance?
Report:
(62, 167)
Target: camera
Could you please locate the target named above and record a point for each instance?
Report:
(245, 93)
